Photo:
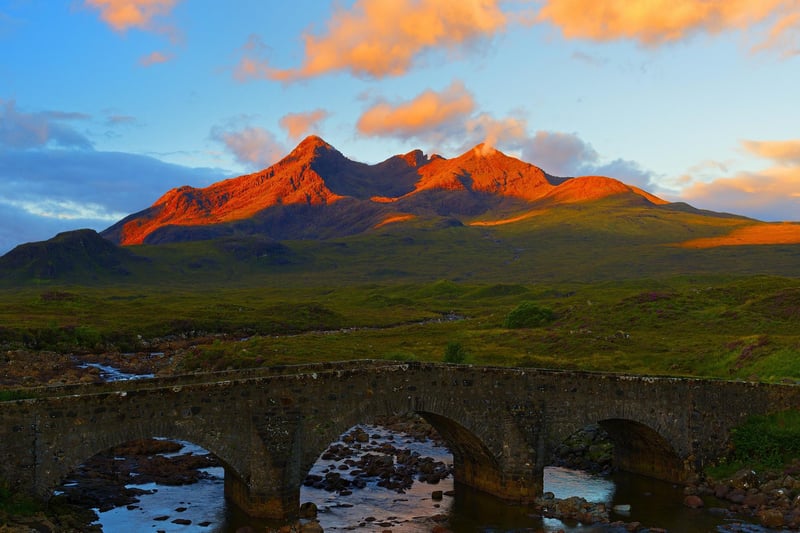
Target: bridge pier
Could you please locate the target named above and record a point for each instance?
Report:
(516, 477)
(518, 487)
(270, 505)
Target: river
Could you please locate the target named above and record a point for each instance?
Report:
(201, 506)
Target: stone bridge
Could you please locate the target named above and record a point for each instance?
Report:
(269, 426)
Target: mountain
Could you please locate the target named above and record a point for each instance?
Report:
(316, 192)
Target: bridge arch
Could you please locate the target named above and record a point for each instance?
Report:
(103, 439)
(641, 449)
(479, 448)
(474, 464)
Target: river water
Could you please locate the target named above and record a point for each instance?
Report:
(201, 506)
(110, 373)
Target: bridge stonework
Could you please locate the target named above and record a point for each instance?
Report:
(269, 427)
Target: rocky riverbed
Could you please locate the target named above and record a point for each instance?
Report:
(102, 481)
(771, 497)
(25, 368)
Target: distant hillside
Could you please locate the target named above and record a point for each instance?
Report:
(81, 255)
(316, 192)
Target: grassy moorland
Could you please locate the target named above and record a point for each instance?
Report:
(715, 326)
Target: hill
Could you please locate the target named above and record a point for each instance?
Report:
(73, 256)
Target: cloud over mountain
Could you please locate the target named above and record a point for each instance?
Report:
(253, 146)
(299, 125)
(429, 110)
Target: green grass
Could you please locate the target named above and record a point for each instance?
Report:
(9, 395)
(725, 327)
(762, 443)
(16, 504)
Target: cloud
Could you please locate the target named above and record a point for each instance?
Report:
(301, 124)
(656, 22)
(627, 171)
(444, 120)
(124, 14)
(21, 130)
(772, 193)
(560, 154)
(566, 154)
(438, 118)
(509, 132)
(155, 58)
(115, 119)
(252, 146)
(376, 39)
(588, 59)
(47, 191)
(786, 152)
(17, 226)
(414, 118)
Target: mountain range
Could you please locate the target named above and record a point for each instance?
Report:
(316, 192)
(482, 215)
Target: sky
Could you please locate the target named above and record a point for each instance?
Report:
(105, 105)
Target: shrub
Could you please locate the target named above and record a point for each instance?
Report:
(771, 440)
(529, 315)
(455, 353)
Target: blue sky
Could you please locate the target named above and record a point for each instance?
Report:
(107, 104)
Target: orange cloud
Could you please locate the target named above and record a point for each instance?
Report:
(655, 22)
(301, 124)
(124, 14)
(771, 194)
(787, 152)
(428, 111)
(154, 59)
(383, 38)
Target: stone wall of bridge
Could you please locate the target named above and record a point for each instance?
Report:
(269, 427)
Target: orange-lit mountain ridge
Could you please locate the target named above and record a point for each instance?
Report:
(316, 192)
